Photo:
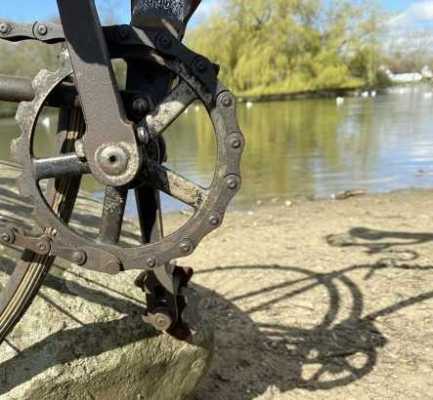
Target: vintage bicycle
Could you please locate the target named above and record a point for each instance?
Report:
(116, 136)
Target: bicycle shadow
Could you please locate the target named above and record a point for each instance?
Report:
(378, 241)
(251, 356)
(340, 352)
(331, 354)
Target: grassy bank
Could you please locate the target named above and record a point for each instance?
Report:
(306, 94)
(7, 110)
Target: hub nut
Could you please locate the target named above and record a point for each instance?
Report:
(162, 322)
(7, 237)
(140, 107)
(42, 29)
(186, 246)
(4, 28)
(113, 160)
(79, 257)
(233, 182)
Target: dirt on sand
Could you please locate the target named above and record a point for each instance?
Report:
(322, 300)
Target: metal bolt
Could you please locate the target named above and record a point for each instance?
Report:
(151, 262)
(186, 246)
(140, 106)
(43, 247)
(232, 182)
(124, 32)
(143, 135)
(165, 41)
(162, 322)
(214, 220)
(113, 267)
(4, 28)
(236, 143)
(201, 65)
(226, 100)
(42, 29)
(79, 257)
(6, 237)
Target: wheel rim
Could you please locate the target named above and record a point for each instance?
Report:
(30, 271)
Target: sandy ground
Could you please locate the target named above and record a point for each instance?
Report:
(317, 299)
(322, 300)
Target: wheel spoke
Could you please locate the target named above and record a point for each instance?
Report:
(58, 167)
(112, 214)
(149, 214)
(175, 185)
(170, 108)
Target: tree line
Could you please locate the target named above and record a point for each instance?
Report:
(285, 46)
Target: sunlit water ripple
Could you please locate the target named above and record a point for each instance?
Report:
(307, 148)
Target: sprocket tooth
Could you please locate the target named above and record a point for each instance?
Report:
(24, 188)
(41, 78)
(15, 149)
(23, 111)
(64, 56)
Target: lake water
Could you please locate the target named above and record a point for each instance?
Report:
(306, 148)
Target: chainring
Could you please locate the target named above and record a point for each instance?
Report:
(210, 206)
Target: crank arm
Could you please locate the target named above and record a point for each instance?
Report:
(166, 291)
(110, 142)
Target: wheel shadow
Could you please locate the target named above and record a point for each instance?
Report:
(250, 356)
(253, 356)
(376, 241)
(267, 354)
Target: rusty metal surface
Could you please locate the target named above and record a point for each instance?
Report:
(103, 109)
(212, 206)
(44, 32)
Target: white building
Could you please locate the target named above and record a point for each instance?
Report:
(426, 72)
(410, 77)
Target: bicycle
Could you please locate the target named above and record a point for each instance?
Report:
(117, 138)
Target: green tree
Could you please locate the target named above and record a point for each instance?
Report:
(273, 46)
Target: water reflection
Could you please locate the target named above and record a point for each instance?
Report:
(307, 147)
(314, 148)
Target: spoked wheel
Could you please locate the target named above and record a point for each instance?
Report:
(31, 269)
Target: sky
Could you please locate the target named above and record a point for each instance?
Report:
(408, 13)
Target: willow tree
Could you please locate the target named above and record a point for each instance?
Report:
(272, 46)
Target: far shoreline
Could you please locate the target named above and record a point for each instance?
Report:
(7, 110)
